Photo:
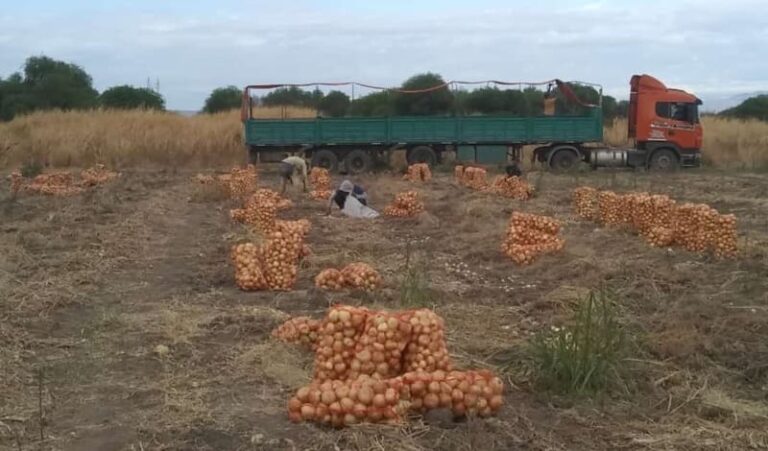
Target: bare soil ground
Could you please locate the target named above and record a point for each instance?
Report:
(91, 285)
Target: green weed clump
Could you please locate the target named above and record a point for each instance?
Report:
(582, 357)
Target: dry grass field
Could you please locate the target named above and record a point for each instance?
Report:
(90, 285)
(130, 139)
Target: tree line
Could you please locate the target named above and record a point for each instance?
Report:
(45, 83)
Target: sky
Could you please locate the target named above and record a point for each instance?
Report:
(713, 48)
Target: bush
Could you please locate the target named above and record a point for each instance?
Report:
(223, 99)
(129, 98)
(439, 101)
(335, 104)
(582, 357)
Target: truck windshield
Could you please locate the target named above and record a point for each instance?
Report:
(679, 111)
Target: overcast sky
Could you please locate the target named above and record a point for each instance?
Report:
(711, 47)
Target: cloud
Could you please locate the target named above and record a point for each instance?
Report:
(707, 45)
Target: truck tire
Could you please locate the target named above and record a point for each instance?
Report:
(664, 160)
(325, 158)
(422, 154)
(564, 160)
(358, 161)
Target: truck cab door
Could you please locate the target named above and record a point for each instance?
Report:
(678, 123)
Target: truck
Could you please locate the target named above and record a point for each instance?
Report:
(663, 125)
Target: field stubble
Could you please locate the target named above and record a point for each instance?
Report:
(122, 326)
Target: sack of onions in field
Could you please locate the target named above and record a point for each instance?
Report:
(300, 330)
(406, 204)
(344, 403)
(320, 178)
(585, 203)
(56, 184)
(281, 253)
(475, 178)
(700, 227)
(379, 350)
(96, 175)
(529, 236)
(329, 279)
(249, 274)
(458, 174)
(260, 210)
(427, 350)
(241, 182)
(418, 172)
(361, 276)
(465, 393)
(613, 208)
(17, 181)
(337, 338)
(512, 187)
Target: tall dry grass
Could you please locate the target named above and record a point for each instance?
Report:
(728, 143)
(138, 138)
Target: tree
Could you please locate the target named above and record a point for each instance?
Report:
(753, 108)
(335, 104)
(223, 99)
(374, 104)
(610, 108)
(293, 96)
(128, 97)
(622, 108)
(45, 84)
(439, 101)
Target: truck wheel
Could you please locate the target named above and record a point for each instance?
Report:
(664, 160)
(422, 154)
(358, 161)
(325, 158)
(564, 160)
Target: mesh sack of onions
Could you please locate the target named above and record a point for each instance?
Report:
(329, 279)
(475, 178)
(418, 172)
(700, 228)
(320, 178)
(320, 194)
(613, 208)
(427, 350)
(17, 181)
(458, 174)
(96, 175)
(345, 403)
(585, 203)
(241, 182)
(56, 184)
(465, 393)
(405, 205)
(529, 236)
(300, 330)
(361, 276)
(282, 252)
(337, 338)
(512, 187)
(249, 274)
(379, 350)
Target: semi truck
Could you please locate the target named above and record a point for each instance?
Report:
(663, 125)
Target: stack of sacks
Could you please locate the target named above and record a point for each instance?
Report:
(355, 275)
(529, 236)
(513, 187)
(418, 172)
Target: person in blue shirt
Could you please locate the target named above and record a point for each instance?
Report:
(347, 188)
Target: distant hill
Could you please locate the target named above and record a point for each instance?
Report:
(715, 103)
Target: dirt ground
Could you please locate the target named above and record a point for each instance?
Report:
(90, 286)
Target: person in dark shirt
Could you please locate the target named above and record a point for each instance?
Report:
(339, 197)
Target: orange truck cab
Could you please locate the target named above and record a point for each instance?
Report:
(665, 125)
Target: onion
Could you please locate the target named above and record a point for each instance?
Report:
(495, 402)
(431, 401)
(359, 410)
(307, 412)
(365, 396)
(328, 397)
(379, 400)
(347, 404)
(294, 404)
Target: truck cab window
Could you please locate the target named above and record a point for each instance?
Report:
(687, 112)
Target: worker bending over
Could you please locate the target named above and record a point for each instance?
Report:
(291, 168)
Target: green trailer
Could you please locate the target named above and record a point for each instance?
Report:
(354, 143)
